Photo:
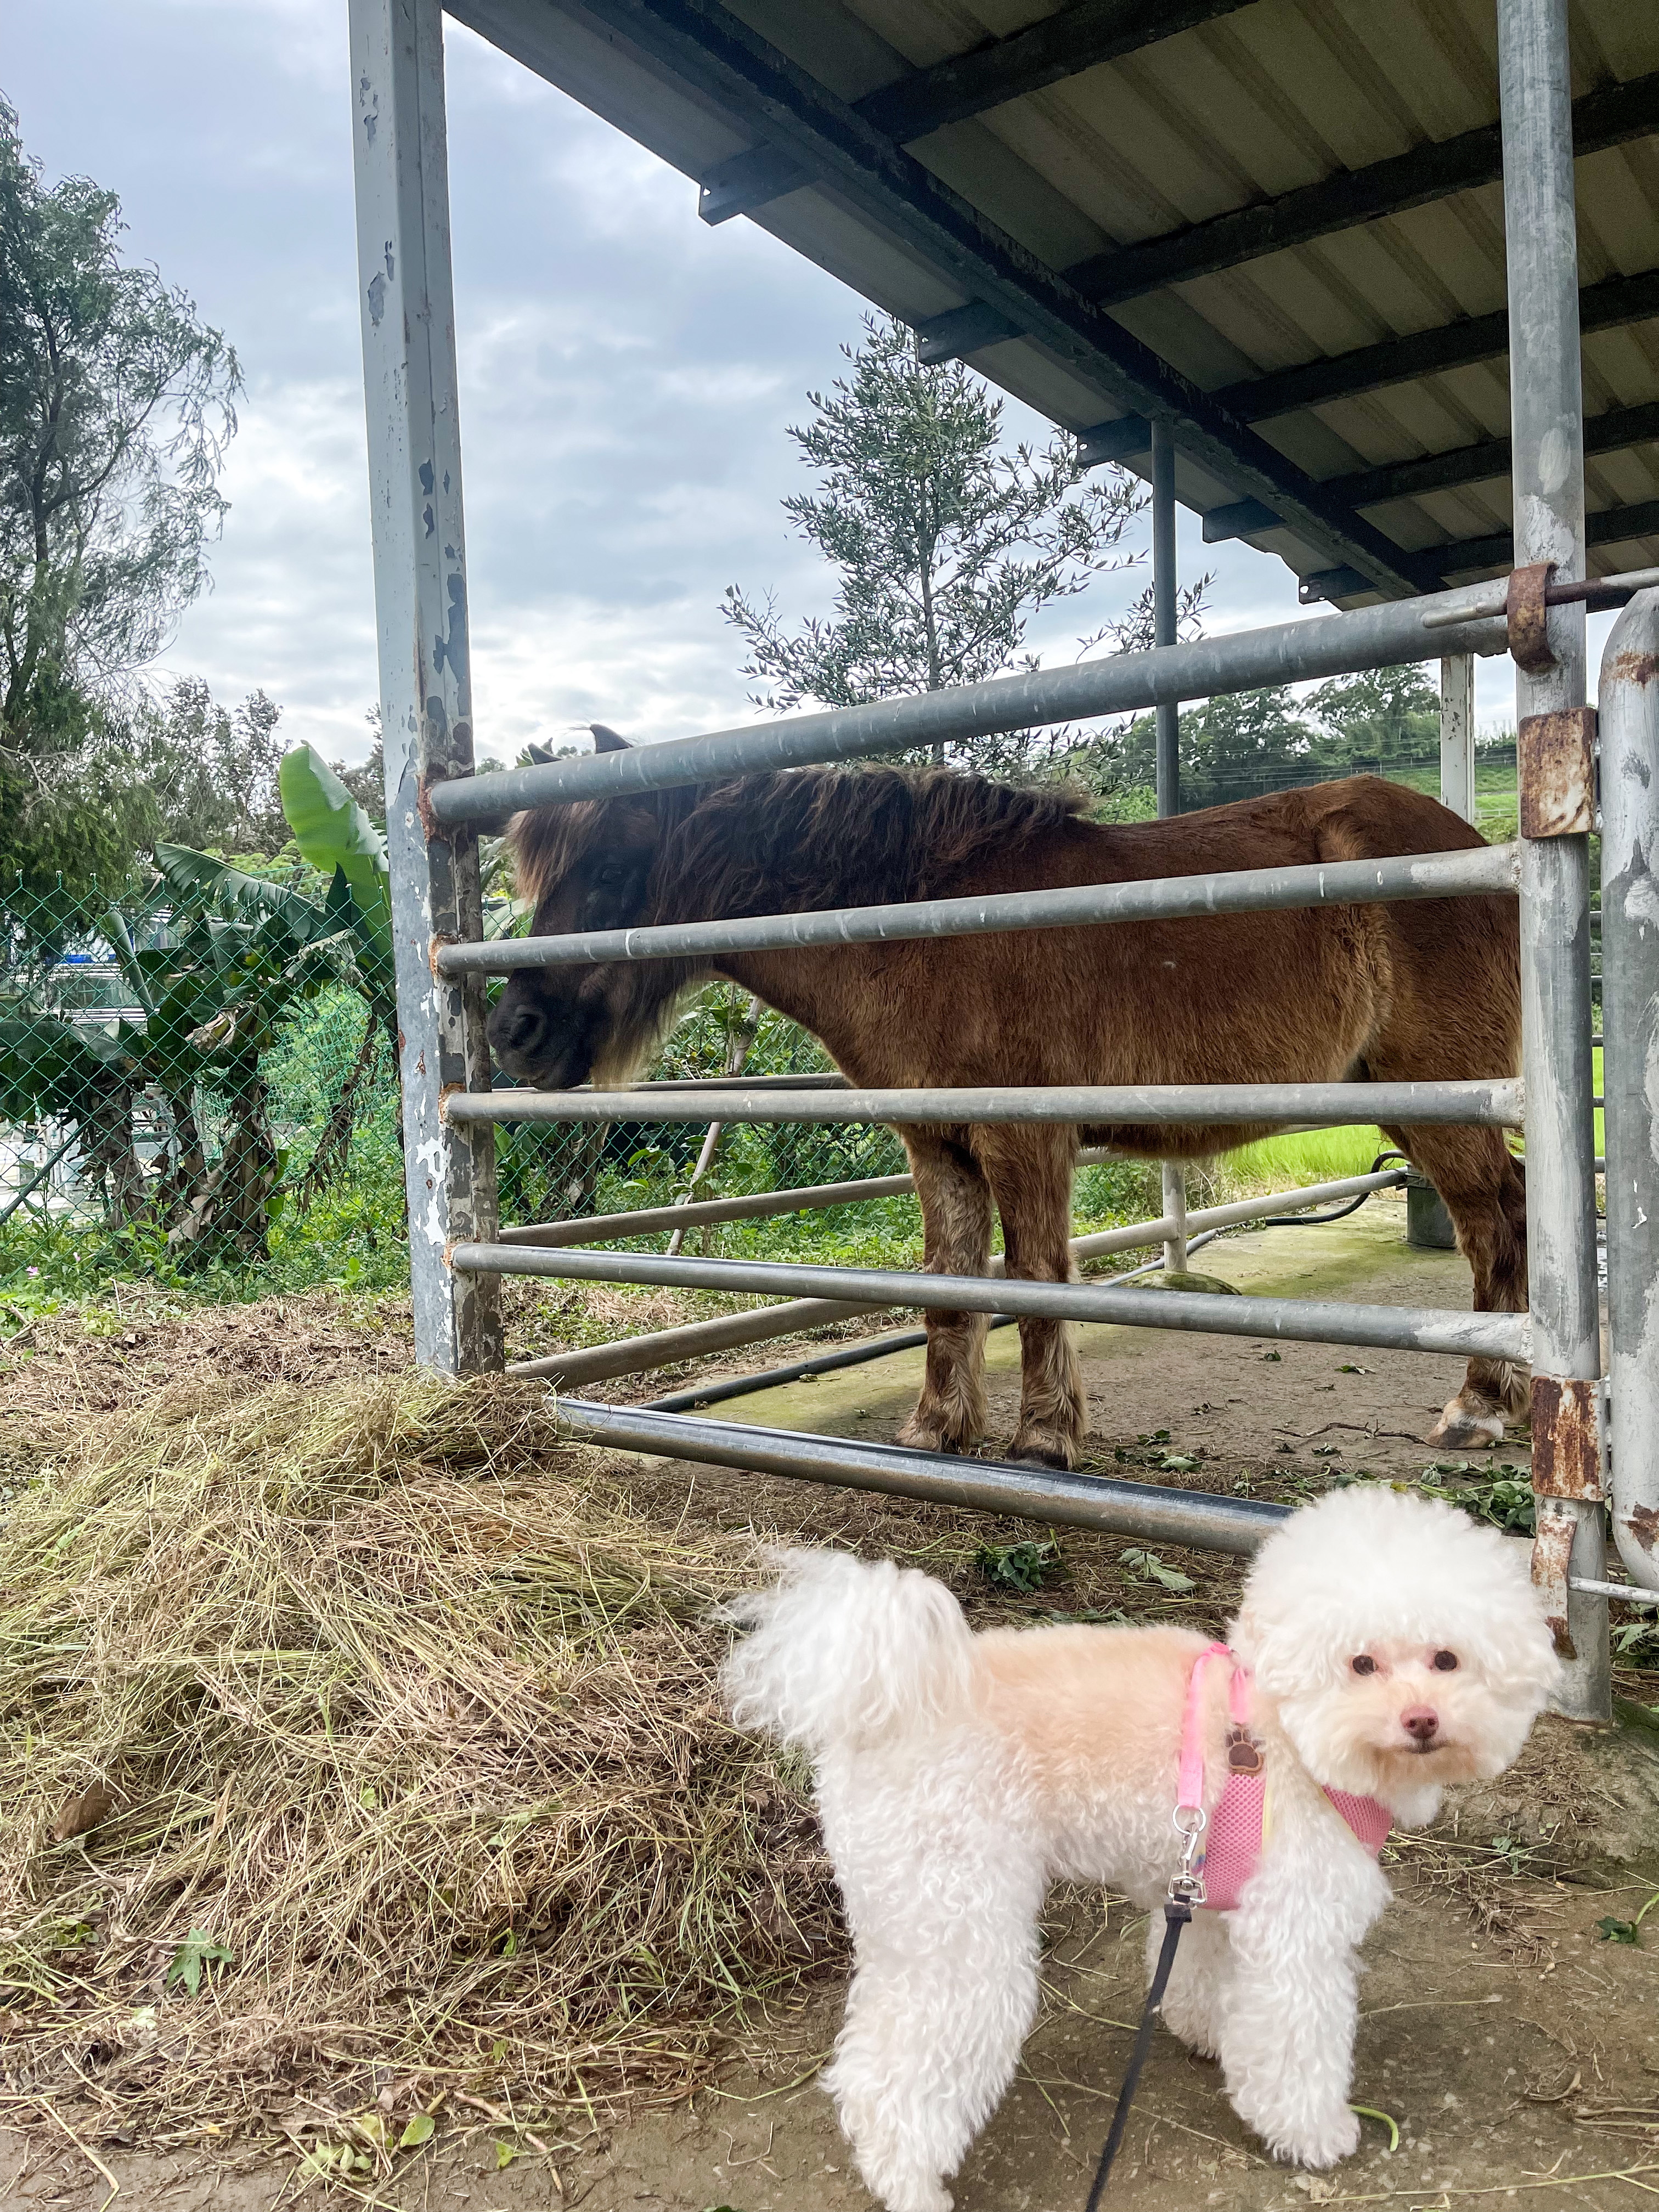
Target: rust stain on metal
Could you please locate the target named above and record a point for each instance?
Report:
(440, 939)
(1565, 1459)
(1557, 755)
(1639, 668)
(1643, 1522)
(446, 1092)
(1528, 618)
(436, 831)
(1552, 1558)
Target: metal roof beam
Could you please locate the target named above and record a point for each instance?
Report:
(1077, 37)
(1616, 301)
(1611, 117)
(1608, 525)
(706, 47)
(1611, 432)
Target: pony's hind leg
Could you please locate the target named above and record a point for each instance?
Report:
(956, 1213)
(1031, 1173)
(1484, 1189)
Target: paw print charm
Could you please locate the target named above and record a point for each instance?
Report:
(1243, 1752)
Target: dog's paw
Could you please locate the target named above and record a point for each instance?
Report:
(1325, 2142)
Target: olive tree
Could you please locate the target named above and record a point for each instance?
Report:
(946, 542)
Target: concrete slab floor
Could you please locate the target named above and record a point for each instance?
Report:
(1238, 1395)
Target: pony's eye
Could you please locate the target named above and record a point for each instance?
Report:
(1445, 1661)
(1363, 1663)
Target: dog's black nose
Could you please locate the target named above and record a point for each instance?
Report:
(1421, 1720)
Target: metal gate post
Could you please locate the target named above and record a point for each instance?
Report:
(1546, 410)
(1167, 756)
(426, 705)
(1630, 1072)
(1457, 735)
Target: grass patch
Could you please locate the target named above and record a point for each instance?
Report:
(369, 1729)
(1310, 1156)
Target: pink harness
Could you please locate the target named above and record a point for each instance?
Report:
(1229, 1844)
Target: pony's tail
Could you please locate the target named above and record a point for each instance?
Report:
(841, 1653)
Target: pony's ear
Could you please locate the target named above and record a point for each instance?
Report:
(607, 741)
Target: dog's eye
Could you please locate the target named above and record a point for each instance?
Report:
(1363, 1663)
(1444, 1661)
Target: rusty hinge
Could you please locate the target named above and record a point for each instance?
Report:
(1528, 617)
(1556, 1524)
(436, 831)
(1557, 765)
(1566, 1430)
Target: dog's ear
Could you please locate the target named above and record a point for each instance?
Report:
(607, 741)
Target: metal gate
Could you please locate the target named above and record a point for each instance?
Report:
(435, 802)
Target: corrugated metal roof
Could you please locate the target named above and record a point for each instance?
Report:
(1253, 146)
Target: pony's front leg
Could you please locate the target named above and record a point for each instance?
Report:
(956, 1213)
(1030, 1173)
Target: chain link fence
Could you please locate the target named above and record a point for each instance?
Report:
(195, 1072)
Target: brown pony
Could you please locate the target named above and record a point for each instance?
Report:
(1415, 992)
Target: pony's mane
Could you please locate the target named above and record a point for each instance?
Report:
(825, 836)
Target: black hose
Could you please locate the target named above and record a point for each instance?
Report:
(1318, 1220)
(911, 1340)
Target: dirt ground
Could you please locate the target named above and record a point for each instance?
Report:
(1510, 2036)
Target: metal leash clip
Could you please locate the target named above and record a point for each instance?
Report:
(1187, 1887)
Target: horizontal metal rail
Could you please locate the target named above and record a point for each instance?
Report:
(648, 1220)
(667, 1347)
(1149, 1511)
(751, 1205)
(1470, 602)
(1482, 869)
(1075, 1501)
(1117, 683)
(831, 1080)
(1305, 1321)
(1487, 1104)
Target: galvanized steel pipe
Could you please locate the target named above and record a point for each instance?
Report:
(1068, 1501)
(634, 1355)
(1547, 434)
(1486, 868)
(1629, 1071)
(1299, 1320)
(1125, 683)
(1496, 1104)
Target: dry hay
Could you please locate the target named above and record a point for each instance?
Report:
(388, 1696)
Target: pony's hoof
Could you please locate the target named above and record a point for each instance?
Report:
(1461, 1428)
(1042, 1451)
(916, 1437)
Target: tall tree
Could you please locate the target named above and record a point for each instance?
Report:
(945, 543)
(116, 405)
(213, 772)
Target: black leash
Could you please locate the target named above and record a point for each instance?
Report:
(1177, 1913)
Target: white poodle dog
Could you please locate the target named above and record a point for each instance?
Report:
(1385, 1645)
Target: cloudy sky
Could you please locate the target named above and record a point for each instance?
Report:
(626, 375)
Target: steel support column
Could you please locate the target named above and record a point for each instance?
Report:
(1457, 735)
(1629, 1071)
(1168, 771)
(426, 706)
(1547, 420)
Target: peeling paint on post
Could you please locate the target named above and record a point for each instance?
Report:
(1630, 1061)
(420, 598)
(1547, 421)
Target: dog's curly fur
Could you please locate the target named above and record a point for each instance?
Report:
(959, 1775)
